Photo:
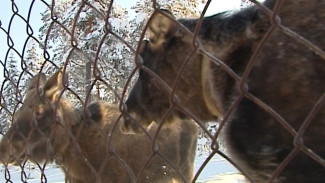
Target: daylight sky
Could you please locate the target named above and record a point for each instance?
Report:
(18, 26)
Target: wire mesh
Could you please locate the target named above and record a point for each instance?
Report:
(89, 130)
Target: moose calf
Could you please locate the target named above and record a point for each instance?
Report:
(269, 128)
(88, 146)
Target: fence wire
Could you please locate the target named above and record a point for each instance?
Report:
(91, 73)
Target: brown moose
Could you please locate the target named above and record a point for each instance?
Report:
(287, 78)
(87, 144)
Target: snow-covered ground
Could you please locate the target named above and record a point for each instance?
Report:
(218, 170)
(32, 174)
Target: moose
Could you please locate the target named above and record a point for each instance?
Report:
(88, 144)
(252, 71)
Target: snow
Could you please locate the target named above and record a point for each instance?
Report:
(216, 168)
(32, 174)
(83, 15)
(115, 22)
(140, 18)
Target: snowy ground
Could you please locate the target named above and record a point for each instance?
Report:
(217, 170)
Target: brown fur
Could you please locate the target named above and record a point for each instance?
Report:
(79, 141)
(287, 76)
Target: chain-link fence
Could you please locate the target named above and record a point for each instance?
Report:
(259, 72)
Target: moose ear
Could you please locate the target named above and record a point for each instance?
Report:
(162, 26)
(54, 85)
(38, 80)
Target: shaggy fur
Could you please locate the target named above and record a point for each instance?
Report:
(288, 77)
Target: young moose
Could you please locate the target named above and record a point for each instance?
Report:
(287, 76)
(48, 128)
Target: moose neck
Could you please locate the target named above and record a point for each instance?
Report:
(63, 129)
